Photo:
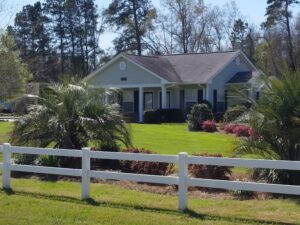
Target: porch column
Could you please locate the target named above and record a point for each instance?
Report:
(163, 97)
(106, 96)
(141, 104)
(207, 89)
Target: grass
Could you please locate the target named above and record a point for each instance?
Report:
(5, 129)
(165, 139)
(174, 138)
(47, 202)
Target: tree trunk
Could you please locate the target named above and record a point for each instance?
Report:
(137, 32)
(290, 42)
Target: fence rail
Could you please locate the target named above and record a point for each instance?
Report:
(182, 180)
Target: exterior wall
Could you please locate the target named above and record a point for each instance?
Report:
(134, 74)
(237, 93)
(222, 78)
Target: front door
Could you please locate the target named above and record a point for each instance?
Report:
(148, 100)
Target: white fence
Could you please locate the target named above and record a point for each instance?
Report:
(182, 180)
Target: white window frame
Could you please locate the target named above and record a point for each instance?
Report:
(186, 100)
(146, 92)
(128, 101)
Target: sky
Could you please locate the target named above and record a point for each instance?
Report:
(253, 10)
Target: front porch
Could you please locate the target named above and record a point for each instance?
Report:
(134, 101)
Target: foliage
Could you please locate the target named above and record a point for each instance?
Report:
(13, 73)
(238, 35)
(70, 116)
(243, 195)
(209, 126)
(48, 160)
(58, 37)
(25, 159)
(210, 172)
(234, 113)
(198, 115)
(240, 130)
(140, 167)
(275, 117)
(278, 12)
(229, 128)
(164, 116)
(134, 19)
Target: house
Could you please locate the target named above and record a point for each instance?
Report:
(173, 81)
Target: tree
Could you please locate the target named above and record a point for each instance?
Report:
(70, 116)
(275, 117)
(32, 36)
(134, 18)
(13, 72)
(278, 11)
(238, 35)
(56, 9)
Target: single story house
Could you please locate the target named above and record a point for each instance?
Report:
(173, 81)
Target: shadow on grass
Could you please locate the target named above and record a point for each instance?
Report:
(189, 212)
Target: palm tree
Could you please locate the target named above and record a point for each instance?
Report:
(276, 119)
(70, 117)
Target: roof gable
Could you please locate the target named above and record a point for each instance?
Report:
(198, 68)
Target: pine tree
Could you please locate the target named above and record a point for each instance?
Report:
(278, 11)
(33, 38)
(133, 18)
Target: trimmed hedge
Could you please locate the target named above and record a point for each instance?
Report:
(142, 167)
(208, 171)
(156, 116)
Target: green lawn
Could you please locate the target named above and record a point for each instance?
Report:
(5, 129)
(45, 202)
(166, 139)
(175, 138)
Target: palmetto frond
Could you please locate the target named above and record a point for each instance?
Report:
(276, 120)
(69, 116)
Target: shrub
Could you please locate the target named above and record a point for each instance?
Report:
(198, 115)
(242, 131)
(209, 126)
(152, 117)
(140, 167)
(48, 160)
(164, 116)
(239, 130)
(234, 113)
(206, 103)
(210, 172)
(106, 163)
(229, 128)
(25, 159)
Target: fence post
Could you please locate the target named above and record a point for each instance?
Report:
(85, 177)
(182, 176)
(6, 166)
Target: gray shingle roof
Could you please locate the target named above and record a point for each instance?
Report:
(186, 68)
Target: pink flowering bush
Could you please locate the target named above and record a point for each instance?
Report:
(209, 126)
(239, 130)
(229, 128)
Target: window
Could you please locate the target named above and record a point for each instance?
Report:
(128, 101)
(148, 100)
(128, 96)
(191, 95)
